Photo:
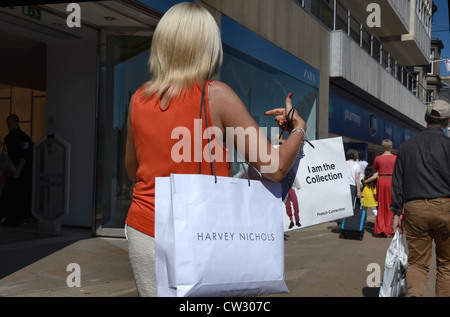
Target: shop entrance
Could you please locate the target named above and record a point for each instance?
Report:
(81, 78)
(23, 97)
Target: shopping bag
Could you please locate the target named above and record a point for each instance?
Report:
(164, 237)
(396, 264)
(221, 238)
(316, 189)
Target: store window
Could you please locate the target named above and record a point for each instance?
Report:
(123, 71)
(262, 88)
(29, 105)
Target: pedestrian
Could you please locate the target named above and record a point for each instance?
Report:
(186, 52)
(18, 188)
(354, 171)
(383, 167)
(421, 187)
(291, 199)
(362, 163)
(369, 193)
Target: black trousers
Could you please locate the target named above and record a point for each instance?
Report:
(15, 201)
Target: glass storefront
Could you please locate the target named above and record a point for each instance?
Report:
(124, 68)
(108, 59)
(262, 88)
(262, 75)
(122, 71)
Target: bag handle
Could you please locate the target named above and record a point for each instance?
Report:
(247, 172)
(203, 106)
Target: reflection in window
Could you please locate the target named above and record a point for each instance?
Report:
(262, 88)
(123, 73)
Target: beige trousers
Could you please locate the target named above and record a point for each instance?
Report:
(425, 221)
(141, 250)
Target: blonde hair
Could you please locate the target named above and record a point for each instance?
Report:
(186, 50)
(387, 144)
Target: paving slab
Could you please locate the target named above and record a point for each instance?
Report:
(318, 263)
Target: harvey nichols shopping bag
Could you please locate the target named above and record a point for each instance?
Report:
(218, 239)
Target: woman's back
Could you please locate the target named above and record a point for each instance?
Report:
(384, 164)
(166, 141)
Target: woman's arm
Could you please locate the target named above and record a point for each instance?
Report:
(228, 113)
(358, 185)
(131, 162)
(371, 178)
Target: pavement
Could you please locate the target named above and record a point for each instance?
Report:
(318, 263)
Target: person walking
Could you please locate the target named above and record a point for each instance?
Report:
(290, 196)
(353, 172)
(186, 53)
(421, 187)
(383, 167)
(362, 164)
(369, 193)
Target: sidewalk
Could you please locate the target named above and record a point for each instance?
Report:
(318, 264)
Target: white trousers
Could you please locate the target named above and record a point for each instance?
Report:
(141, 250)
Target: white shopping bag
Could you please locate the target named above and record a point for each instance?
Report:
(396, 264)
(447, 64)
(317, 190)
(218, 239)
(164, 237)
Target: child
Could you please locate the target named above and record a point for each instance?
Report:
(369, 192)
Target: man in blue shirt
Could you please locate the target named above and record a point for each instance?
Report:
(421, 189)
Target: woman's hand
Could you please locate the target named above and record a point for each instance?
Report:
(282, 116)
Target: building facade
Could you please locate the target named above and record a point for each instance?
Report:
(350, 77)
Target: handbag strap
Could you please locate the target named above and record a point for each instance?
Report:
(203, 106)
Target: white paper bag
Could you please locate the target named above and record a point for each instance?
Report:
(318, 184)
(218, 239)
(447, 64)
(396, 264)
(164, 237)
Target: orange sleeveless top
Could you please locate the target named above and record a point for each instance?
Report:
(153, 129)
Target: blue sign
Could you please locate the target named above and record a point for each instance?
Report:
(352, 120)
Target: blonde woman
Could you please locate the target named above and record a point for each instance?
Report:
(186, 53)
(383, 166)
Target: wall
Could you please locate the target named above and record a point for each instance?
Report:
(71, 99)
(288, 26)
(356, 66)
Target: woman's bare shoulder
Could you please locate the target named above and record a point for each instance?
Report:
(219, 89)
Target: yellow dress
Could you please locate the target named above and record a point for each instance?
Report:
(368, 198)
